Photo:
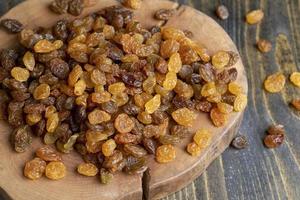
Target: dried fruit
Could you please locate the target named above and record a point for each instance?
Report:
(34, 169)
(153, 104)
(174, 64)
(21, 138)
(52, 122)
(203, 138)
(273, 141)
(87, 169)
(29, 61)
(123, 123)
(219, 119)
(296, 104)
(55, 170)
(41, 92)
(240, 103)
(168, 48)
(98, 116)
(295, 78)
(220, 59)
(116, 88)
(224, 107)
(134, 4)
(276, 129)
(165, 153)
(240, 142)
(47, 153)
(222, 12)
(254, 16)
(275, 82)
(193, 149)
(235, 88)
(108, 147)
(184, 116)
(20, 74)
(170, 81)
(264, 46)
(12, 25)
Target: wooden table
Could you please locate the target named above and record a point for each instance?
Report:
(256, 172)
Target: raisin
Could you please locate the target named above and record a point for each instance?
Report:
(98, 116)
(153, 104)
(170, 81)
(145, 118)
(168, 48)
(240, 142)
(55, 170)
(47, 153)
(185, 72)
(169, 139)
(150, 145)
(220, 59)
(164, 14)
(135, 150)
(161, 66)
(20, 74)
(204, 106)
(131, 109)
(123, 123)
(108, 147)
(60, 6)
(165, 153)
(222, 12)
(21, 138)
(59, 68)
(87, 169)
(12, 25)
(60, 30)
(296, 104)
(39, 128)
(105, 176)
(193, 149)
(273, 141)
(32, 119)
(254, 16)
(224, 107)
(110, 107)
(295, 78)
(264, 46)
(135, 165)
(34, 169)
(203, 138)
(29, 61)
(116, 88)
(219, 119)
(184, 116)
(240, 103)
(42, 91)
(76, 7)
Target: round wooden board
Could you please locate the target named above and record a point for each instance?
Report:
(165, 179)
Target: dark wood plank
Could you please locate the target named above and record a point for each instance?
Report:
(256, 172)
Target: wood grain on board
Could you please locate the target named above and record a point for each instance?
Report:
(254, 173)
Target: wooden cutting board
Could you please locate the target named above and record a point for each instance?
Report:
(166, 178)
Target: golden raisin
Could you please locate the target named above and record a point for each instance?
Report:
(141, 99)
(52, 122)
(170, 81)
(153, 104)
(255, 16)
(219, 119)
(168, 48)
(95, 136)
(149, 84)
(87, 169)
(74, 75)
(20, 74)
(220, 59)
(42, 91)
(202, 138)
(98, 116)
(134, 4)
(234, 88)
(240, 102)
(120, 99)
(123, 123)
(295, 78)
(275, 82)
(209, 89)
(108, 147)
(33, 118)
(174, 64)
(34, 169)
(184, 116)
(225, 107)
(116, 88)
(165, 153)
(55, 170)
(172, 33)
(145, 118)
(79, 87)
(101, 97)
(193, 149)
(47, 153)
(29, 61)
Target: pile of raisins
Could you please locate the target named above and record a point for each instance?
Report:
(114, 92)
